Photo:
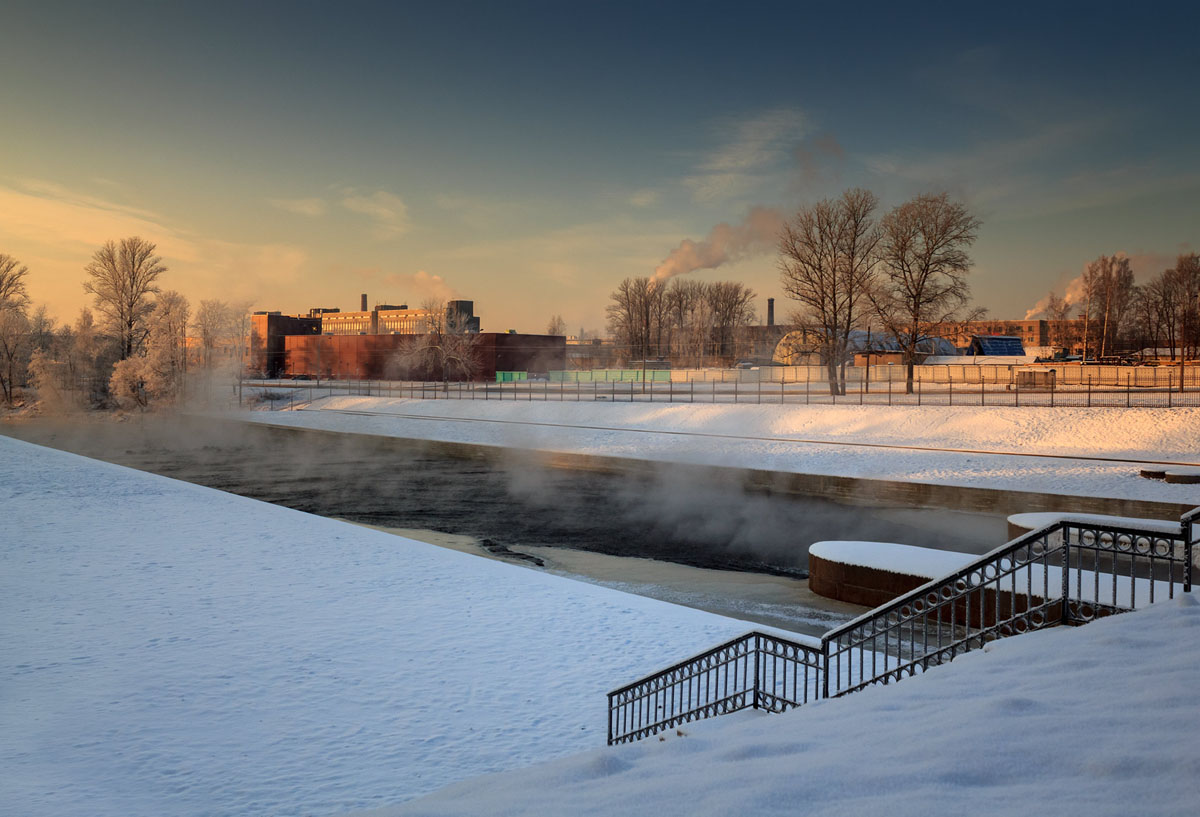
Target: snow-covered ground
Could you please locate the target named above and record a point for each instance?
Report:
(876, 442)
(1092, 721)
(167, 649)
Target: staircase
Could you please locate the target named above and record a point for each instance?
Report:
(1065, 573)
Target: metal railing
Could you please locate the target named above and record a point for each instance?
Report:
(873, 392)
(756, 670)
(1065, 573)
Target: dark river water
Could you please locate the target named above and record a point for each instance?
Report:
(512, 499)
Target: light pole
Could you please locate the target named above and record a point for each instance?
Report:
(867, 385)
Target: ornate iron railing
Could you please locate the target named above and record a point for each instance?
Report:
(1065, 573)
(755, 670)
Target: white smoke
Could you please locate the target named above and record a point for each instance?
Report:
(1075, 292)
(725, 243)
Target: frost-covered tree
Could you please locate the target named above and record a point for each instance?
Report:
(12, 283)
(122, 277)
(14, 325)
(166, 347)
(14, 350)
(216, 325)
(157, 375)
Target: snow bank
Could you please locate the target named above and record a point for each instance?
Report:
(1097, 720)
(825, 440)
(168, 649)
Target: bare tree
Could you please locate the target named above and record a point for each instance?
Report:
(732, 305)
(122, 277)
(556, 326)
(215, 324)
(14, 325)
(632, 316)
(923, 270)
(166, 353)
(1186, 279)
(1108, 285)
(14, 350)
(1057, 312)
(440, 352)
(827, 263)
(689, 320)
(12, 283)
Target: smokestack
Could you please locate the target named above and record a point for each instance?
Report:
(364, 303)
(770, 311)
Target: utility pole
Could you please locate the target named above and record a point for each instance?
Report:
(868, 372)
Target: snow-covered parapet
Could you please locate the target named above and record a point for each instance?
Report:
(1021, 523)
(874, 573)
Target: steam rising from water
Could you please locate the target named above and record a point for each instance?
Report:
(696, 516)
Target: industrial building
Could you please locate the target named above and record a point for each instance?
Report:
(392, 342)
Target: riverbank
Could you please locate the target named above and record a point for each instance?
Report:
(170, 649)
(781, 602)
(996, 460)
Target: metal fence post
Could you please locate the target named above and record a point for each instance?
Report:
(1170, 385)
(1066, 574)
(1127, 390)
(756, 670)
(825, 652)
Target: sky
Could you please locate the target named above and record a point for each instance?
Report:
(530, 156)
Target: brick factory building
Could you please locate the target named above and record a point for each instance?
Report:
(410, 357)
(395, 342)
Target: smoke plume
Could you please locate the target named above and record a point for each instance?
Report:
(1144, 266)
(724, 243)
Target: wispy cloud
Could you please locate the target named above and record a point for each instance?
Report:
(481, 212)
(387, 210)
(49, 213)
(62, 227)
(580, 257)
(305, 207)
(644, 198)
(752, 149)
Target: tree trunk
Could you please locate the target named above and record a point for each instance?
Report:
(831, 368)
